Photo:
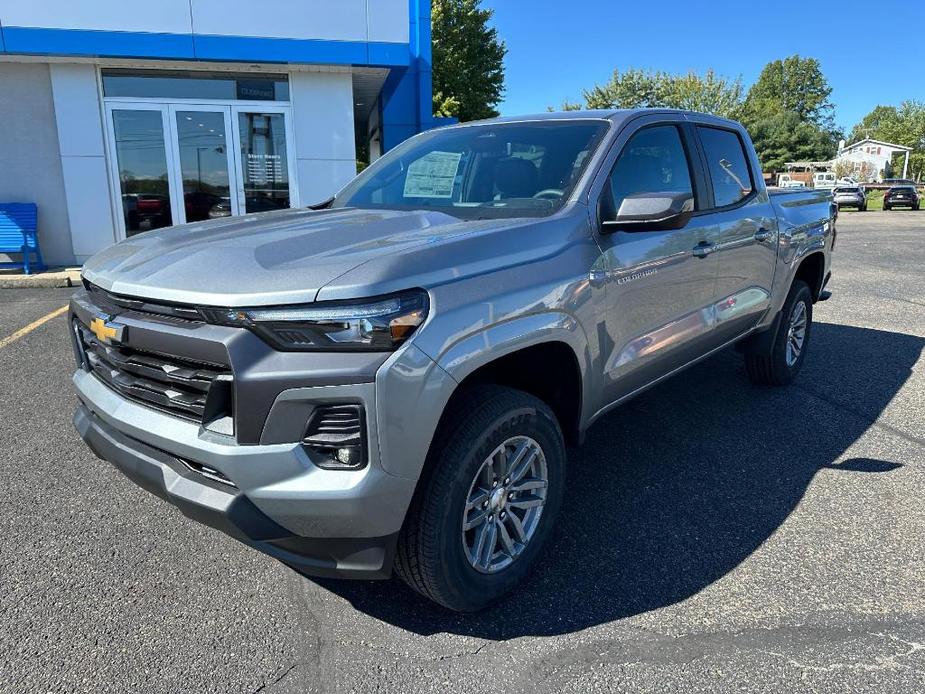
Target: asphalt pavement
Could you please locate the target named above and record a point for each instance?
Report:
(715, 537)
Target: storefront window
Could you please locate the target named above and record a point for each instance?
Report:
(203, 164)
(142, 160)
(191, 84)
(264, 161)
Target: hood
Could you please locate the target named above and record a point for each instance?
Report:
(269, 258)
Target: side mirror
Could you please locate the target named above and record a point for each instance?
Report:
(648, 212)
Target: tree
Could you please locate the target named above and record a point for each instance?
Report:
(636, 88)
(874, 122)
(468, 60)
(783, 136)
(796, 85)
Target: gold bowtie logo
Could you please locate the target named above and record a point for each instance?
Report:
(103, 332)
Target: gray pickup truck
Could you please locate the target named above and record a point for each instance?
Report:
(389, 379)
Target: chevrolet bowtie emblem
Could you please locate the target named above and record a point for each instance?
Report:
(105, 331)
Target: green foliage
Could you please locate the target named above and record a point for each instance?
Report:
(796, 85)
(783, 136)
(468, 60)
(445, 106)
(635, 88)
(875, 122)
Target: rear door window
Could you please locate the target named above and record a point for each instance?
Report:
(727, 165)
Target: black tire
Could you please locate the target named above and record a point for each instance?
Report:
(772, 369)
(431, 557)
(862, 208)
(886, 208)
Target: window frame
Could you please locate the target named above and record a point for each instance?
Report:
(708, 179)
(694, 167)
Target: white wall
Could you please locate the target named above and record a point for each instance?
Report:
(30, 168)
(322, 111)
(335, 20)
(83, 161)
(167, 16)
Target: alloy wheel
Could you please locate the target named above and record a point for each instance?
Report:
(504, 505)
(796, 332)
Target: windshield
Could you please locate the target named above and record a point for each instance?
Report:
(481, 171)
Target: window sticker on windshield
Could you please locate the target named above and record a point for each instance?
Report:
(433, 175)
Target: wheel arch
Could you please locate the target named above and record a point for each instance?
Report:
(811, 269)
(515, 352)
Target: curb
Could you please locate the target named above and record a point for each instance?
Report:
(61, 278)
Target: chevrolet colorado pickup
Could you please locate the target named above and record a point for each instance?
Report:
(389, 380)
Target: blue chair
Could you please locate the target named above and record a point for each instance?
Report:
(19, 235)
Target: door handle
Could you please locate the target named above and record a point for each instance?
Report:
(703, 249)
(762, 235)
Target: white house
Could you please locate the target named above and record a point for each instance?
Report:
(877, 153)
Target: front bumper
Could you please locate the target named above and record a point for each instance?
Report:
(228, 509)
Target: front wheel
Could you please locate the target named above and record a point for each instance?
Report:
(785, 359)
(488, 502)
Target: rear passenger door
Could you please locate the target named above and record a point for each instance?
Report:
(660, 285)
(746, 243)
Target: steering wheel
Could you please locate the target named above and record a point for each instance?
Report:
(550, 194)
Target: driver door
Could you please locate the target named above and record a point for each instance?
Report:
(660, 285)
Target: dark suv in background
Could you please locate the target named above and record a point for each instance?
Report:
(901, 196)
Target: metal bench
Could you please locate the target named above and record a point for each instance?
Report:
(19, 235)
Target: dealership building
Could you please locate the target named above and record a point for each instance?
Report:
(120, 116)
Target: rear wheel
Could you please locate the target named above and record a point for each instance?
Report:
(481, 517)
(785, 359)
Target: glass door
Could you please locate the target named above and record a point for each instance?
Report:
(142, 167)
(206, 172)
(174, 163)
(262, 145)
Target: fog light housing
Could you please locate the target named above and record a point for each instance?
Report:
(335, 437)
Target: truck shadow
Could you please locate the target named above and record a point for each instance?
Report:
(676, 488)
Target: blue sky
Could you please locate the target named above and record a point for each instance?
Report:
(556, 48)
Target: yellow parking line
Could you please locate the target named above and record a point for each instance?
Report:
(32, 326)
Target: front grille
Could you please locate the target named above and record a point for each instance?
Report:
(192, 390)
(116, 303)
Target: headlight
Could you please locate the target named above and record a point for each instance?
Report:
(376, 325)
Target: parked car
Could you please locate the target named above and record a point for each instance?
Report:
(824, 180)
(901, 196)
(850, 196)
(145, 211)
(794, 184)
(388, 381)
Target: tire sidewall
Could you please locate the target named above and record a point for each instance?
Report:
(463, 581)
(800, 292)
